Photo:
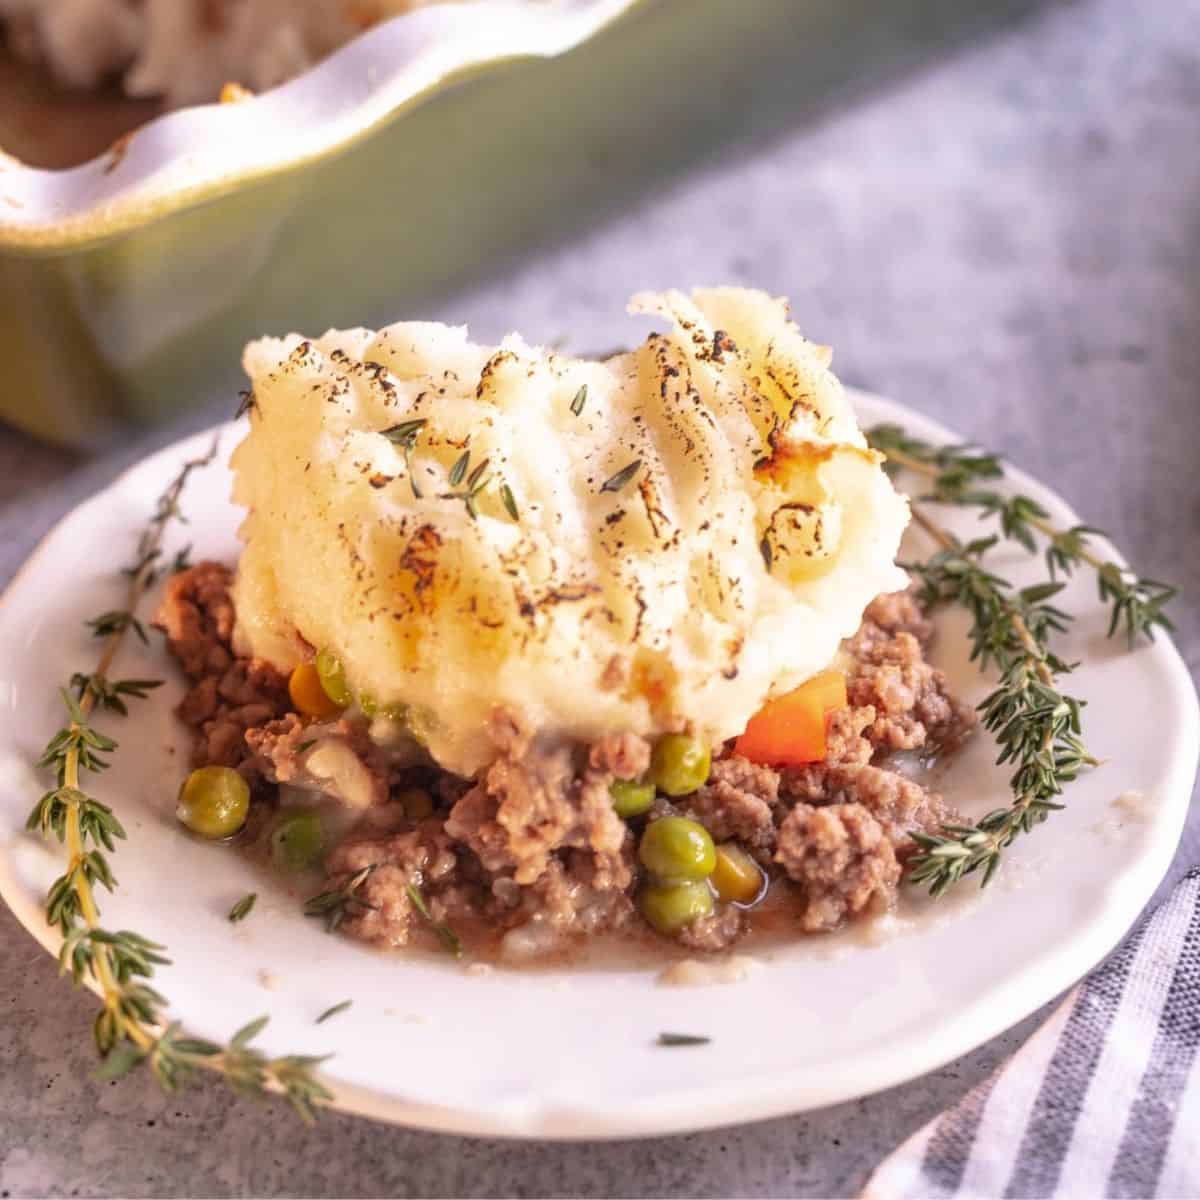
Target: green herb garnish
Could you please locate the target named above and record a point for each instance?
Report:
(614, 483)
(118, 620)
(1037, 726)
(132, 1028)
(111, 696)
(241, 910)
(955, 475)
(460, 468)
(335, 905)
(333, 1012)
(405, 436)
(449, 939)
(510, 501)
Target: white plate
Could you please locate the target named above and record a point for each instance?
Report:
(561, 1053)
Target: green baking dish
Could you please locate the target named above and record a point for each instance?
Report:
(128, 285)
(422, 155)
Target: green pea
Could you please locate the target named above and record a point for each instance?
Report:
(332, 675)
(668, 907)
(675, 848)
(630, 798)
(679, 764)
(213, 802)
(298, 841)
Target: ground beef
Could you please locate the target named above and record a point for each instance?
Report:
(565, 902)
(196, 613)
(228, 695)
(900, 805)
(899, 612)
(841, 860)
(622, 755)
(532, 847)
(384, 913)
(740, 800)
(719, 930)
(913, 709)
(846, 740)
(334, 757)
(530, 803)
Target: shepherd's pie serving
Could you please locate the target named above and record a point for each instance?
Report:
(521, 645)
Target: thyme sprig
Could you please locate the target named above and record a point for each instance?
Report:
(405, 436)
(957, 475)
(1037, 725)
(478, 479)
(131, 1027)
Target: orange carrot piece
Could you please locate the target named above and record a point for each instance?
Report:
(790, 730)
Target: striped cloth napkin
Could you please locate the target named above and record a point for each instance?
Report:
(1103, 1101)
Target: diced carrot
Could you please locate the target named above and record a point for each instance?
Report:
(790, 730)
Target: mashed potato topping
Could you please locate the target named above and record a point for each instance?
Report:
(657, 541)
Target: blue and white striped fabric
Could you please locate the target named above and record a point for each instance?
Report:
(1103, 1101)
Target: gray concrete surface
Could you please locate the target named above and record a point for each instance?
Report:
(997, 224)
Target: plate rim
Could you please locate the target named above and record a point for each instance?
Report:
(987, 1015)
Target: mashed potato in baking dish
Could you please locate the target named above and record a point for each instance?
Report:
(654, 542)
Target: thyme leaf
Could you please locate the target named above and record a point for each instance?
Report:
(110, 696)
(579, 401)
(475, 476)
(406, 433)
(241, 910)
(118, 620)
(614, 483)
(460, 468)
(449, 939)
(333, 1012)
(510, 502)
